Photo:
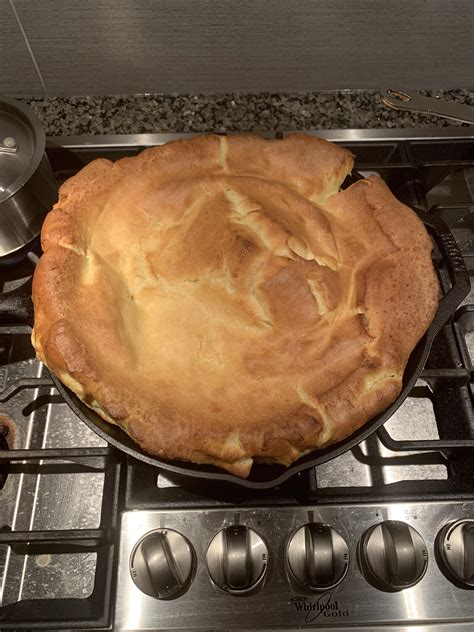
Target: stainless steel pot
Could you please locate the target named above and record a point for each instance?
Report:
(28, 188)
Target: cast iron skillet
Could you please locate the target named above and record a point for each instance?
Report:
(16, 307)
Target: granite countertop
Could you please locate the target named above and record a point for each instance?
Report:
(63, 116)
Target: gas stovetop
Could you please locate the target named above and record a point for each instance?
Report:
(380, 537)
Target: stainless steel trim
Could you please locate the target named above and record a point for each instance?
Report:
(434, 603)
(338, 135)
(467, 626)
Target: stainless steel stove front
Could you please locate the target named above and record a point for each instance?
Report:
(433, 600)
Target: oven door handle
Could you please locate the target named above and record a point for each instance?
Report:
(16, 306)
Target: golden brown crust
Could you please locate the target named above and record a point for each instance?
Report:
(220, 300)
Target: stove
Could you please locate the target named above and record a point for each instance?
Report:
(382, 537)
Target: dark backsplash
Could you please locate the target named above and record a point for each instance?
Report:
(89, 47)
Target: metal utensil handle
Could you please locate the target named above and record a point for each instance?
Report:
(456, 268)
(16, 307)
(412, 102)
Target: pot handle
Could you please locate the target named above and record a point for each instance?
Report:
(460, 284)
(16, 307)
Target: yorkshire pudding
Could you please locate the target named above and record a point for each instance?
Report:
(223, 301)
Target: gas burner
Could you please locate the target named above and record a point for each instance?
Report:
(5, 426)
(27, 253)
(4, 466)
(18, 268)
(8, 432)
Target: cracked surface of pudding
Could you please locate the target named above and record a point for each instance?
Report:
(223, 301)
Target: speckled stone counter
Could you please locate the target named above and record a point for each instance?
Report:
(229, 112)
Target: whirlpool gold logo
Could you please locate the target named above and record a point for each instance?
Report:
(324, 606)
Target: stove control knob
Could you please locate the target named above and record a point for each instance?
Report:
(162, 564)
(455, 548)
(392, 555)
(237, 560)
(317, 557)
